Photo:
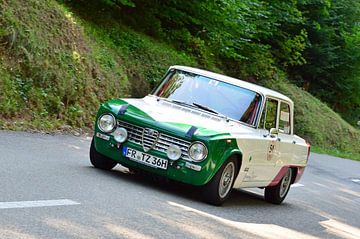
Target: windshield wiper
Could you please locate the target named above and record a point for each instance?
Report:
(179, 102)
(200, 106)
(196, 105)
(203, 107)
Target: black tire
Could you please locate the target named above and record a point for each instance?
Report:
(211, 191)
(276, 194)
(100, 161)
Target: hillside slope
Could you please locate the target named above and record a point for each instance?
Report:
(56, 69)
(58, 64)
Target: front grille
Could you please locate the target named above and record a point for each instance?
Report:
(157, 141)
(149, 139)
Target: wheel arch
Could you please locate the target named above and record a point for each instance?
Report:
(236, 154)
(298, 171)
(238, 157)
(294, 174)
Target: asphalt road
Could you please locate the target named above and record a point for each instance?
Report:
(97, 204)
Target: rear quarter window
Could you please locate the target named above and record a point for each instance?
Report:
(284, 118)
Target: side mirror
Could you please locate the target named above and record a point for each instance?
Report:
(274, 132)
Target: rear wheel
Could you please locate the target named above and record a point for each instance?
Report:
(277, 194)
(100, 161)
(220, 186)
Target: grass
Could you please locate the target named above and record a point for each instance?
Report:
(59, 60)
(336, 153)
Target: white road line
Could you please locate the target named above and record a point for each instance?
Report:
(39, 203)
(296, 185)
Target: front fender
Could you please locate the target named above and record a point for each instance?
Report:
(220, 151)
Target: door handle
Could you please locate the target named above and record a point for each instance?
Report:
(294, 142)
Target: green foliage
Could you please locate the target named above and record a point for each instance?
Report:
(145, 61)
(9, 95)
(114, 3)
(332, 56)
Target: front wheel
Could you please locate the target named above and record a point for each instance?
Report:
(100, 161)
(277, 194)
(220, 186)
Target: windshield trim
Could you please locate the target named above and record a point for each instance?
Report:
(259, 111)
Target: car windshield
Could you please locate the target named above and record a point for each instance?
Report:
(211, 95)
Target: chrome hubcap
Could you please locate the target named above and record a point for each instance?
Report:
(285, 183)
(226, 179)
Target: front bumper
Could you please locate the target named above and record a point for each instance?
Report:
(181, 170)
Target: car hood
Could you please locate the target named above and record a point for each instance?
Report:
(177, 117)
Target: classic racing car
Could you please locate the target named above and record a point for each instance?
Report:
(204, 129)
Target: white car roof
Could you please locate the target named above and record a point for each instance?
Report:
(259, 89)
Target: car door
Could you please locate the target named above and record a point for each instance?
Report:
(262, 168)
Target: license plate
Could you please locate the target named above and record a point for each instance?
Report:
(144, 158)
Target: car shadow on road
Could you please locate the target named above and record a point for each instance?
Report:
(193, 193)
(240, 197)
(146, 180)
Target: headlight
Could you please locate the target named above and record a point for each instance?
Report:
(107, 123)
(173, 152)
(120, 135)
(198, 151)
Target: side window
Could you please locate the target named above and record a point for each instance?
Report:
(269, 115)
(284, 121)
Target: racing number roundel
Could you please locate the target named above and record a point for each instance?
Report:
(271, 150)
